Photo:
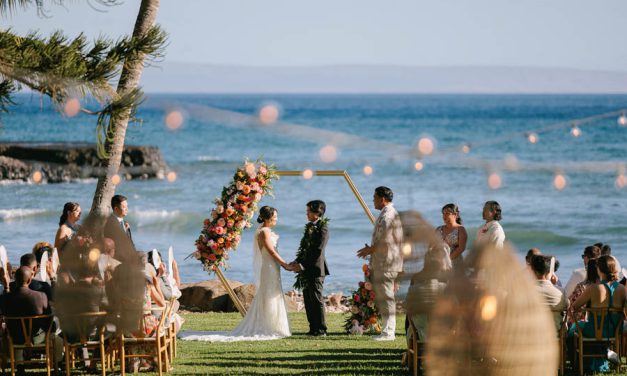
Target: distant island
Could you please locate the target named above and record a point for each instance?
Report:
(176, 77)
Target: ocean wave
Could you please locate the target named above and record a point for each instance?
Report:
(208, 158)
(151, 214)
(12, 214)
(539, 238)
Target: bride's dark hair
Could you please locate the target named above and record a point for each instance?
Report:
(265, 213)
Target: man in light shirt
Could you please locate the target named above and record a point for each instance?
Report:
(386, 260)
(491, 232)
(553, 296)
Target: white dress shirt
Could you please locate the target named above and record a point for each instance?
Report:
(491, 233)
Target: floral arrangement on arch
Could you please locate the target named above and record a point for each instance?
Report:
(221, 232)
(364, 316)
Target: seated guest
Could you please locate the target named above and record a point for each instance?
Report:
(579, 275)
(592, 277)
(553, 296)
(607, 293)
(22, 301)
(530, 253)
(30, 261)
(107, 258)
(5, 279)
(426, 286)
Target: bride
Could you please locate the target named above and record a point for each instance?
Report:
(266, 318)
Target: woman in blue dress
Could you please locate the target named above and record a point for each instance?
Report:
(607, 293)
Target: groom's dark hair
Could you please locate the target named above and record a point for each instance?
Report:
(317, 206)
(384, 192)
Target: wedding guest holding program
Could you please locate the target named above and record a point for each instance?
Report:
(386, 260)
(491, 233)
(453, 233)
(118, 229)
(68, 224)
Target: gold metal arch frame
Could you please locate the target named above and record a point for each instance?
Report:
(351, 185)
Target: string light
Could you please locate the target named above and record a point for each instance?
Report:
(418, 166)
(171, 176)
(488, 306)
(575, 131)
(559, 182)
(328, 154)
(72, 107)
(622, 120)
(174, 119)
(269, 114)
(494, 181)
(115, 179)
(37, 177)
(466, 149)
(532, 138)
(621, 181)
(511, 162)
(426, 146)
(307, 174)
(367, 170)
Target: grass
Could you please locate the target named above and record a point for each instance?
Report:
(336, 354)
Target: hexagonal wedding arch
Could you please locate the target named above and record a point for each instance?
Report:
(265, 172)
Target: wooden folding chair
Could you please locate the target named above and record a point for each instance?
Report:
(601, 318)
(85, 331)
(158, 342)
(561, 338)
(21, 338)
(171, 331)
(415, 349)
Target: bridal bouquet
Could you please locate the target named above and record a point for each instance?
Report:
(234, 208)
(364, 316)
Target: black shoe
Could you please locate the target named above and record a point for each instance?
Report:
(311, 333)
(320, 333)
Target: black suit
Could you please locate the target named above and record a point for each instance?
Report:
(124, 246)
(315, 268)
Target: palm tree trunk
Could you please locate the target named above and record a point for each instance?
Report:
(129, 80)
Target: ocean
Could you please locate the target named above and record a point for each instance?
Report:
(205, 151)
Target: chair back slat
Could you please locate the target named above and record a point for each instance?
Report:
(24, 324)
(80, 326)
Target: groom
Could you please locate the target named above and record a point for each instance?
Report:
(311, 266)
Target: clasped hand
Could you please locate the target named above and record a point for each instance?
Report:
(293, 267)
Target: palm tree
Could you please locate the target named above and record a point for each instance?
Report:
(62, 68)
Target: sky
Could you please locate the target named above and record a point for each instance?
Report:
(579, 34)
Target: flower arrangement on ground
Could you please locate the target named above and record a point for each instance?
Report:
(221, 232)
(364, 316)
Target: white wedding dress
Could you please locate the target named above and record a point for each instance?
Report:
(266, 319)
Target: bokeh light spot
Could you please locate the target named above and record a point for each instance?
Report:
(308, 174)
(622, 120)
(93, 255)
(559, 182)
(115, 179)
(171, 176)
(426, 146)
(269, 114)
(36, 177)
(488, 305)
(575, 131)
(494, 181)
(72, 107)
(418, 166)
(368, 170)
(621, 181)
(406, 249)
(328, 154)
(532, 138)
(174, 119)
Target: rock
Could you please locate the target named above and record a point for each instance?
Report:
(245, 294)
(67, 162)
(207, 295)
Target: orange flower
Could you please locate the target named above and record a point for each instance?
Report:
(246, 189)
(204, 254)
(206, 222)
(220, 240)
(219, 251)
(244, 208)
(364, 268)
(229, 211)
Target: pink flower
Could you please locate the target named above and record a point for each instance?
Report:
(221, 222)
(230, 223)
(212, 257)
(237, 238)
(214, 246)
(262, 169)
(220, 209)
(257, 196)
(255, 187)
(371, 304)
(372, 295)
(356, 298)
(368, 286)
(218, 230)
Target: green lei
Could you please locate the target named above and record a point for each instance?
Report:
(311, 235)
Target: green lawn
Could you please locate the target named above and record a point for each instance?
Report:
(336, 354)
